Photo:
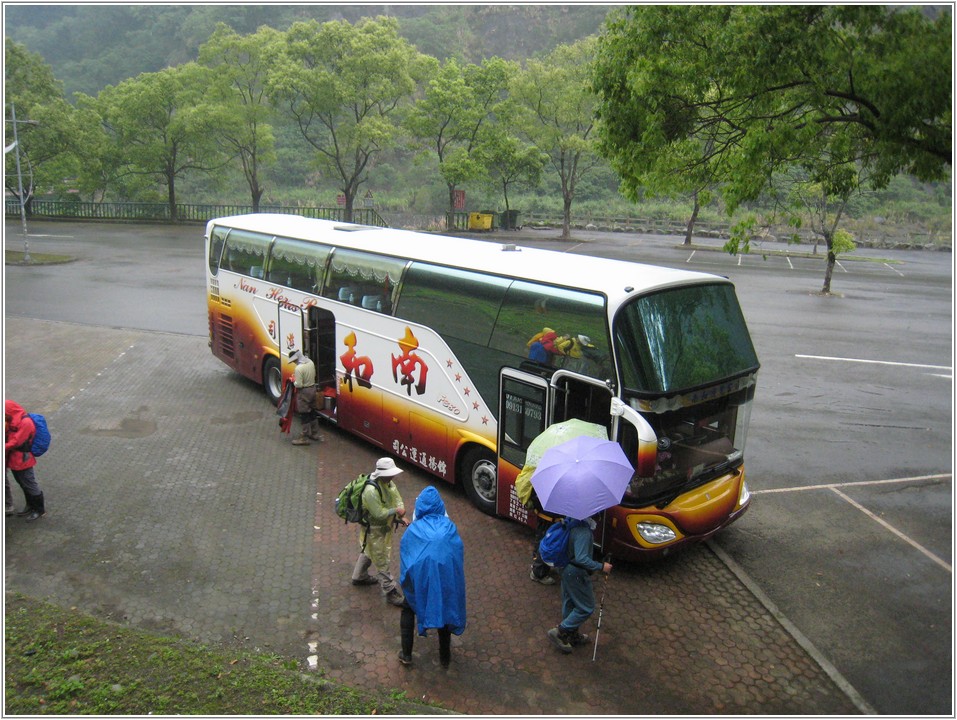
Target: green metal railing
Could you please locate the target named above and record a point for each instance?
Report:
(185, 212)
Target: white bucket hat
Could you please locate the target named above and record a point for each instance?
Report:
(384, 467)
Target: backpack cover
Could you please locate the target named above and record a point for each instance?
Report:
(349, 501)
(41, 438)
(553, 549)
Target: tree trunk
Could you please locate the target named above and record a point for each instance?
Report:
(693, 219)
(451, 187)
(567, 218)
(171, 195)
(828, 272)
(257, 194)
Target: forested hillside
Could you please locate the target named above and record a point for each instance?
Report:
(147, 38)
(573, 113)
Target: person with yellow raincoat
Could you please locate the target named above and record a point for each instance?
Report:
(383, 508)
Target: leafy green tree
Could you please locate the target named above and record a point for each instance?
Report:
(453, 118)
(851, 95)
(345, 87)
(159, 127)
(511, 163)
(237, 105)
(559, 114)
(48, 128)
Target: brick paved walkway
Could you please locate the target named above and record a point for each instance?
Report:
(175, 505)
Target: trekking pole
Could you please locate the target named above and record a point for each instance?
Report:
(601, 608)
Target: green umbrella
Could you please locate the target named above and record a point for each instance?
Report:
(552, 435)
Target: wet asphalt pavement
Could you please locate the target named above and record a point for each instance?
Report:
(176, 505)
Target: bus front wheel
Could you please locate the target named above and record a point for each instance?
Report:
(272, 379)
(479, 476)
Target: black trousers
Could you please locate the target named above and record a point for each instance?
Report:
(407, 632)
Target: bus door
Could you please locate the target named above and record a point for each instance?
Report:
(582, 398)
(290, 329)
(320, 344)
(523, 415)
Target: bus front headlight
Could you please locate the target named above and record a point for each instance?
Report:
(655, 534)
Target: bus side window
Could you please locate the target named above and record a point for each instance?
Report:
(216, 244)
(297, 264)
(246, 252)
(363, 279)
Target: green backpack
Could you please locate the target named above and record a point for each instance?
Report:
(349, 501)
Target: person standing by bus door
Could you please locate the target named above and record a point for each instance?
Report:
(578, 594)
(384, 511)
(19, 431)
(304, 378)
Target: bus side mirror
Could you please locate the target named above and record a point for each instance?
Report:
(647, 460)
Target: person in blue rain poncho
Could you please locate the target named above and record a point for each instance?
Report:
(432, 575)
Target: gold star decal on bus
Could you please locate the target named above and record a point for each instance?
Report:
(467, 391)
(458, 377)
(448, 363)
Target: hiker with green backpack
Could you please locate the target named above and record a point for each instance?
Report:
(382, 511)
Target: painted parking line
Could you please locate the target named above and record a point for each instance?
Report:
(894, 269)
(887, 526)
(875, 362)
(836, 489)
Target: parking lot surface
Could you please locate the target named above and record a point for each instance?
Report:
(175, 505)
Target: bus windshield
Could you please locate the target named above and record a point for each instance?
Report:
(683, 338)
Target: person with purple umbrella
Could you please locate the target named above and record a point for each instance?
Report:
(578, 594)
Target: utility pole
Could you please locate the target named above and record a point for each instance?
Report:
(16, 147)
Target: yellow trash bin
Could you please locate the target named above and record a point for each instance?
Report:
(480, 221)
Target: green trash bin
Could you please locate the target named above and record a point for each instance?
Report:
(510, 220)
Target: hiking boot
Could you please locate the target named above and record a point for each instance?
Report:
(394, 597)
(577, 639)
(559, 640)
(301, 440)
(314, 431)
(35, 515)
(405, 659)
(367, 580)
(547, 580)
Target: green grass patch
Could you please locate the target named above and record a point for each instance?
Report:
(15, 257)
(63, 662)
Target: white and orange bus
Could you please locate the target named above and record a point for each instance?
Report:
(454, 354)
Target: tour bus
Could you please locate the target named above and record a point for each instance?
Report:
(454, 354)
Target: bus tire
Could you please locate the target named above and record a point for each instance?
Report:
(479, 478)
(272, 379)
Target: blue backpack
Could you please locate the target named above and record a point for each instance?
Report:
(553, 549)
(41, 438)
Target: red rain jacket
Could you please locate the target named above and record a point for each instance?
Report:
(19, 431)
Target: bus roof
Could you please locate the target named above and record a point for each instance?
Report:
(617, 279)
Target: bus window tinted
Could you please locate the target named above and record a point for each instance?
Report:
(217, 240)
(363, 279)
(455, 303)
(297, 265)
(555, 326)
(246, 253)
(683, 338)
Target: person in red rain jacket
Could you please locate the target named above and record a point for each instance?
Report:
(19, 431)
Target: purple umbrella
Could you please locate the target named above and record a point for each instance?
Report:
(582, 477)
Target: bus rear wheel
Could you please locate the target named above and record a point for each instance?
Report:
(272, 379)
(479, 477)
